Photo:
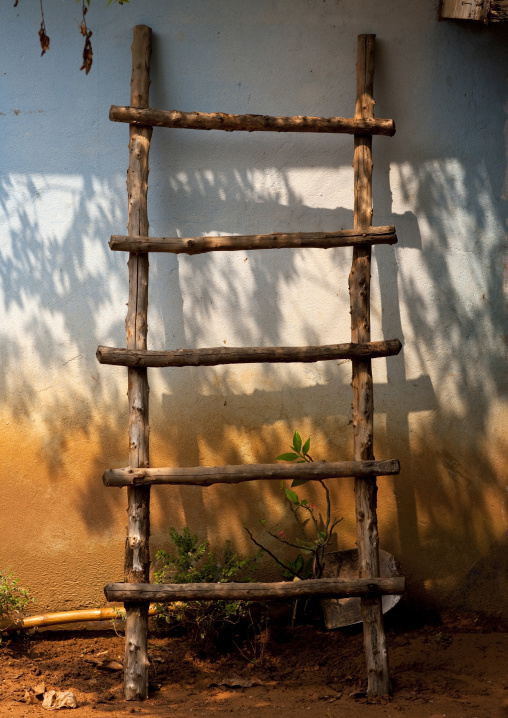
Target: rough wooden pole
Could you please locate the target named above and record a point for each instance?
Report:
(244, 355)
(250, 123)
(137, 551)
(363, 403)
(329, 587)
(276, 240)
(210, 475)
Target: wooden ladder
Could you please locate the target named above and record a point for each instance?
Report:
(137, 591)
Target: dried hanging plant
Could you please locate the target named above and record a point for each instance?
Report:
(87, 34)
(44, 39)
(87, 50)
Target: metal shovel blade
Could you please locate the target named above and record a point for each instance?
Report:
(339, 612)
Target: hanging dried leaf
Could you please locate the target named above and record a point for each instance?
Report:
(43, 38)
(87, 53)
(87, 34)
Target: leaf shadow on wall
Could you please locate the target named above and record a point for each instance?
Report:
(199, 414)
(434, 402)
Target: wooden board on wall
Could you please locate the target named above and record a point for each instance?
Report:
(483, 10)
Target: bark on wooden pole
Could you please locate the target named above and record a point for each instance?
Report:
(363, 403)
(137, 550)
(282, 590)
(210, 475)
(276, 240)
(250, 123)
(244, 355)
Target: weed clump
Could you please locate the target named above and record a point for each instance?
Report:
(14, 599)
(208, 622)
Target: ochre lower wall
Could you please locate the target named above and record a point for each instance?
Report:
(63, 532)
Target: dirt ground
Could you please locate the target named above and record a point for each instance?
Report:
(456, 668)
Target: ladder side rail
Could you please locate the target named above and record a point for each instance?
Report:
(363, 400)
(137, 551)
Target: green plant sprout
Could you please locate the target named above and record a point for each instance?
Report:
(310, 561)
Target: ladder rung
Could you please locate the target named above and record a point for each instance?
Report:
(209, 475)
(323, 587)
(245, 355)
(249, 123)
(276, 240)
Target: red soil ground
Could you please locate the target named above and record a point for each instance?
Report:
(457, 668)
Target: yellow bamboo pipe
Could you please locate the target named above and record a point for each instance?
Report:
(54, 619)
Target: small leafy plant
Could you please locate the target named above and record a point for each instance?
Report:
(310, 561)
(14, 599)
(196, 562)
